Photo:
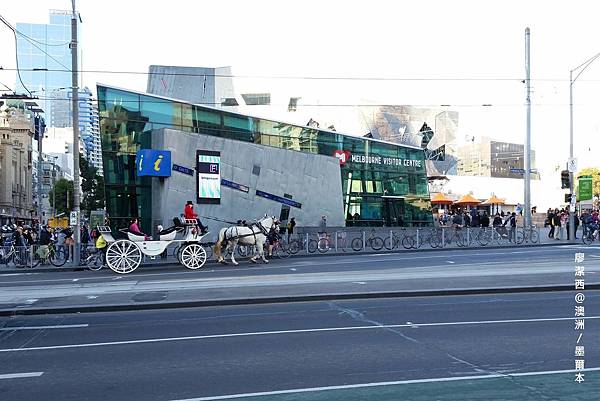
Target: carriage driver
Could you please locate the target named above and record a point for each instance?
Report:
(188, 213)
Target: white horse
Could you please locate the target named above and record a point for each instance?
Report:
(254, 234)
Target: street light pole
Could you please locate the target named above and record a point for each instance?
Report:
(572, 80)
(75, 91)
(527, 211)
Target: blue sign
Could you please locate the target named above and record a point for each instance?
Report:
(154, 163)
(234, 185)
(184, 170)
(279, 199)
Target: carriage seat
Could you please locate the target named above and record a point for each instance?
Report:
(131, 236)
(169, 234)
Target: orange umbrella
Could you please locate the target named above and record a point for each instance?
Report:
(468, 200)
(494, 200)
(440, 199)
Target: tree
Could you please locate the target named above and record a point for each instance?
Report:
(92, 186)
(595, 174)
(62, 188)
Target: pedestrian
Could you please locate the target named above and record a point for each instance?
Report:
(556, 222)
(475, 220)
(323, 226)
(512, 222)
(563, 223)
(290, 227)
(576, 223)
(585, 219)
(189, 214)
(550, 219)
(485, 220)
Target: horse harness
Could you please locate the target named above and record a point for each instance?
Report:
(262, 229)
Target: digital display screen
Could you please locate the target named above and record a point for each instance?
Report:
(208, 171)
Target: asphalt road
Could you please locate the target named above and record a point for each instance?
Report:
(447, 348)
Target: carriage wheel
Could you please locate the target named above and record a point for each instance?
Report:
(193, 256)
(123, 256)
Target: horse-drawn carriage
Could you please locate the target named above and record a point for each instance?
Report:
(125, 255)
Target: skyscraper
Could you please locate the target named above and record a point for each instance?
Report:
(45, 48)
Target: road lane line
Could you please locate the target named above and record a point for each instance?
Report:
(20, 375)
(62, 326)
(282, 332)
(382, 384)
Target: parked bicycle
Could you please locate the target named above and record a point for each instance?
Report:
(527, 234)
(373, 241)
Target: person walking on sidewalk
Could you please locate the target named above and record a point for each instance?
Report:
(563, 224)
(576, 223)
(551, 215)
(556, 224)
(512, 222)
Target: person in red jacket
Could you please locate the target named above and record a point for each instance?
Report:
(188, 213)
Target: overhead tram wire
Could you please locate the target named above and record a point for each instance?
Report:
(14, 31)
(300, 77)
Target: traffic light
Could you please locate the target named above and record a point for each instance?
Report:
(564, 179)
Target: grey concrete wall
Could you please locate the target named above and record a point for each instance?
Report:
(313, 180)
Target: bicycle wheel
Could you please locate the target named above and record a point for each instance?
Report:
(312, 246)
(408, 242)
(520, 237)
(435, 241)
(95, 261)
(533, 236)
(588, 238)
(294, 247)
(282, 251)
(357, 244)
(388, 244)
(58, 257)
(482, 238)
(376, 243)
(323, 245)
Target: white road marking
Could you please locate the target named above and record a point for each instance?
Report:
(92, 297)
(61, 326)
(449, 261)
(381, 384)
(20, 375)
(30, 301)
(292, 269)
(281, 332)
(360, 282)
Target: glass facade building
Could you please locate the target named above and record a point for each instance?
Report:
(45, 47)
(382, 183)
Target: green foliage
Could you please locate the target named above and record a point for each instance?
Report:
(59, 193)
(595, 173)
(92, 186)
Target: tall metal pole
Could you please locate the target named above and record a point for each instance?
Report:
(75, 92)
(527, 220)
(571, 183)
(39, 180)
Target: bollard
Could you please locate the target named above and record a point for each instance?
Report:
(417, 241)
(306, 243)
(443, 238)
(364, 244)
(336, 240)
(391, 240)
(468, 244)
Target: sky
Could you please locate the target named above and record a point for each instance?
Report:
(465, 54)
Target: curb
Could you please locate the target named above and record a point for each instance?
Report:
(314, 255)
(17, 311)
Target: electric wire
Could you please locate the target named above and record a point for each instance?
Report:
(14, 31)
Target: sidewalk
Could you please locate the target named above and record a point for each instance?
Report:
(543, 241)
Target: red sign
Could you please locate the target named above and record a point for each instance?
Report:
(342, 155)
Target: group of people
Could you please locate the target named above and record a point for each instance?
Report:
(558, 220)
(504, 223)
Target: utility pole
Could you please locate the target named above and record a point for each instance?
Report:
(527, 161)
(39, 179)
(75, 96)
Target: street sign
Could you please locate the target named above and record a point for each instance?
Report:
(73, 219)
(585, 188)
(573, 200)
(572, 164)
(517, 170)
